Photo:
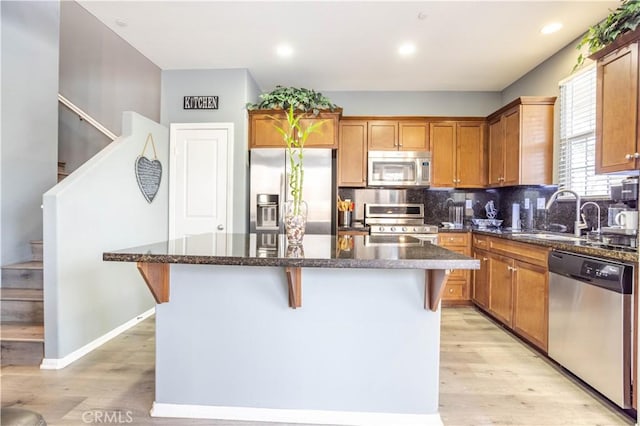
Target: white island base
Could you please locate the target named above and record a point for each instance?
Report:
(362, 349)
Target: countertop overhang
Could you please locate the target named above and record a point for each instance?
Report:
(317, 251)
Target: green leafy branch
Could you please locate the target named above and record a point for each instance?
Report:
(301, 99)
(624, 19)
(295, 136)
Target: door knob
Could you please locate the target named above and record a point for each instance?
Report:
(220, 228)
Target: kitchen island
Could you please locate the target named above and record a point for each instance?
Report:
(235, 339)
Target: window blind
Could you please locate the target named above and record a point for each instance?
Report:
(576, 166)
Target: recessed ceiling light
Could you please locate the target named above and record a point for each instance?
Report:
(407, 49)
(121, 23)
(284, 51)
(551, 28)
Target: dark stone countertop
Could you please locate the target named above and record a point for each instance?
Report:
(320, 251)
(580, 247)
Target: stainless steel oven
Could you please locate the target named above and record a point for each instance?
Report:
(394, 221)
(399, 168)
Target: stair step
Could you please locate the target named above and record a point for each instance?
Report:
(24, 294)
(23, 305)
(62, 166)
(36, 250)
(62, 175)
(23, 275)
(22, 311)
(22, 344)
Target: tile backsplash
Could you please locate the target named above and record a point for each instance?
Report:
(531, 201)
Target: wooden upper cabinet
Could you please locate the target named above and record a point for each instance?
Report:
(383, 135)
(263, 133)
(392, 135)
(617, 142)
(443, 154)
(413, 136)
(521, 142)
(458, 153)
(471, 154)
(352, 154)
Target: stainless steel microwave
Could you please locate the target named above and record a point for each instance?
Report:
(399, 168)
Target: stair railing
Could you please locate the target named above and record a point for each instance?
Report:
(86, 117)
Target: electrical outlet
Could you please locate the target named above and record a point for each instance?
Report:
(541, 203)
(526, 204)
(468, 204)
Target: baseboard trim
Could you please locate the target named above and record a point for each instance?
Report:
(347, 418)
(59, 363)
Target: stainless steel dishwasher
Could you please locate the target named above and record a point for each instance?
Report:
(590, 321)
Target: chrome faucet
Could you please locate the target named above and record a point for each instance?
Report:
(578, 224)
(598, 208)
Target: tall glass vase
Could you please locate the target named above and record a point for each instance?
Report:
(295, 221)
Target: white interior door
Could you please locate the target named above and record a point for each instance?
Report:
(199, 178)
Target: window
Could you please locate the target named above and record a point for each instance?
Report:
(576, 167)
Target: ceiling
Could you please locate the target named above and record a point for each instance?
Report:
(350, 45)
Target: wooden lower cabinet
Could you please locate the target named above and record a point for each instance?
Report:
(456, 291)
(512, 285)
(501, 289)
(480, 293)
(531, 302)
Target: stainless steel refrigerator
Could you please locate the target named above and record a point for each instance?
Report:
(269, 191)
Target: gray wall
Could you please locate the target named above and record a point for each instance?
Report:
(104, 76)
(29, 120)
(234, 88)
(416, 103)
(543, 81)
(228, 339)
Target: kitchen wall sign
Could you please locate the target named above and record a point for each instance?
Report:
(148, 172)
(200, 102)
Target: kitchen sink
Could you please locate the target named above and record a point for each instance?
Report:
(550, 237)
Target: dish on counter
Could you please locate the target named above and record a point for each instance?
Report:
(485, 223)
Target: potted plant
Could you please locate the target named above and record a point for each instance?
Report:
(301, 99)
(295, 136)
(624, 19)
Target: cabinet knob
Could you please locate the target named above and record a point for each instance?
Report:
(628, 157)
(636, 155)
(450, 290)
(484, 259)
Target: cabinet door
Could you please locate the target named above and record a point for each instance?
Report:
(501, 293)
(263, 133)
(531, 298)
(511, 147)
(383, 135)
(617, 110)
(496, 153)
(413, 136)
(326, 134)
(352, 154)
(443, 154)
(470, 155)
(480, 294)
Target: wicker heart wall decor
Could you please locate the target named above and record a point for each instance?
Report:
(148, 172)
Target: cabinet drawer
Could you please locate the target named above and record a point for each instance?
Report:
(521, 251)
(453, 240)
(454, 290)
(481, 242)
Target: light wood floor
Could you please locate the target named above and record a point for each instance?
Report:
(487, 377)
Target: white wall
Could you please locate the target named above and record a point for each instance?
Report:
(234, 87)
(100, 208)
(29, 133)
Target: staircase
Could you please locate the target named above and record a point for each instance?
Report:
(62, 170)
(22, 311)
